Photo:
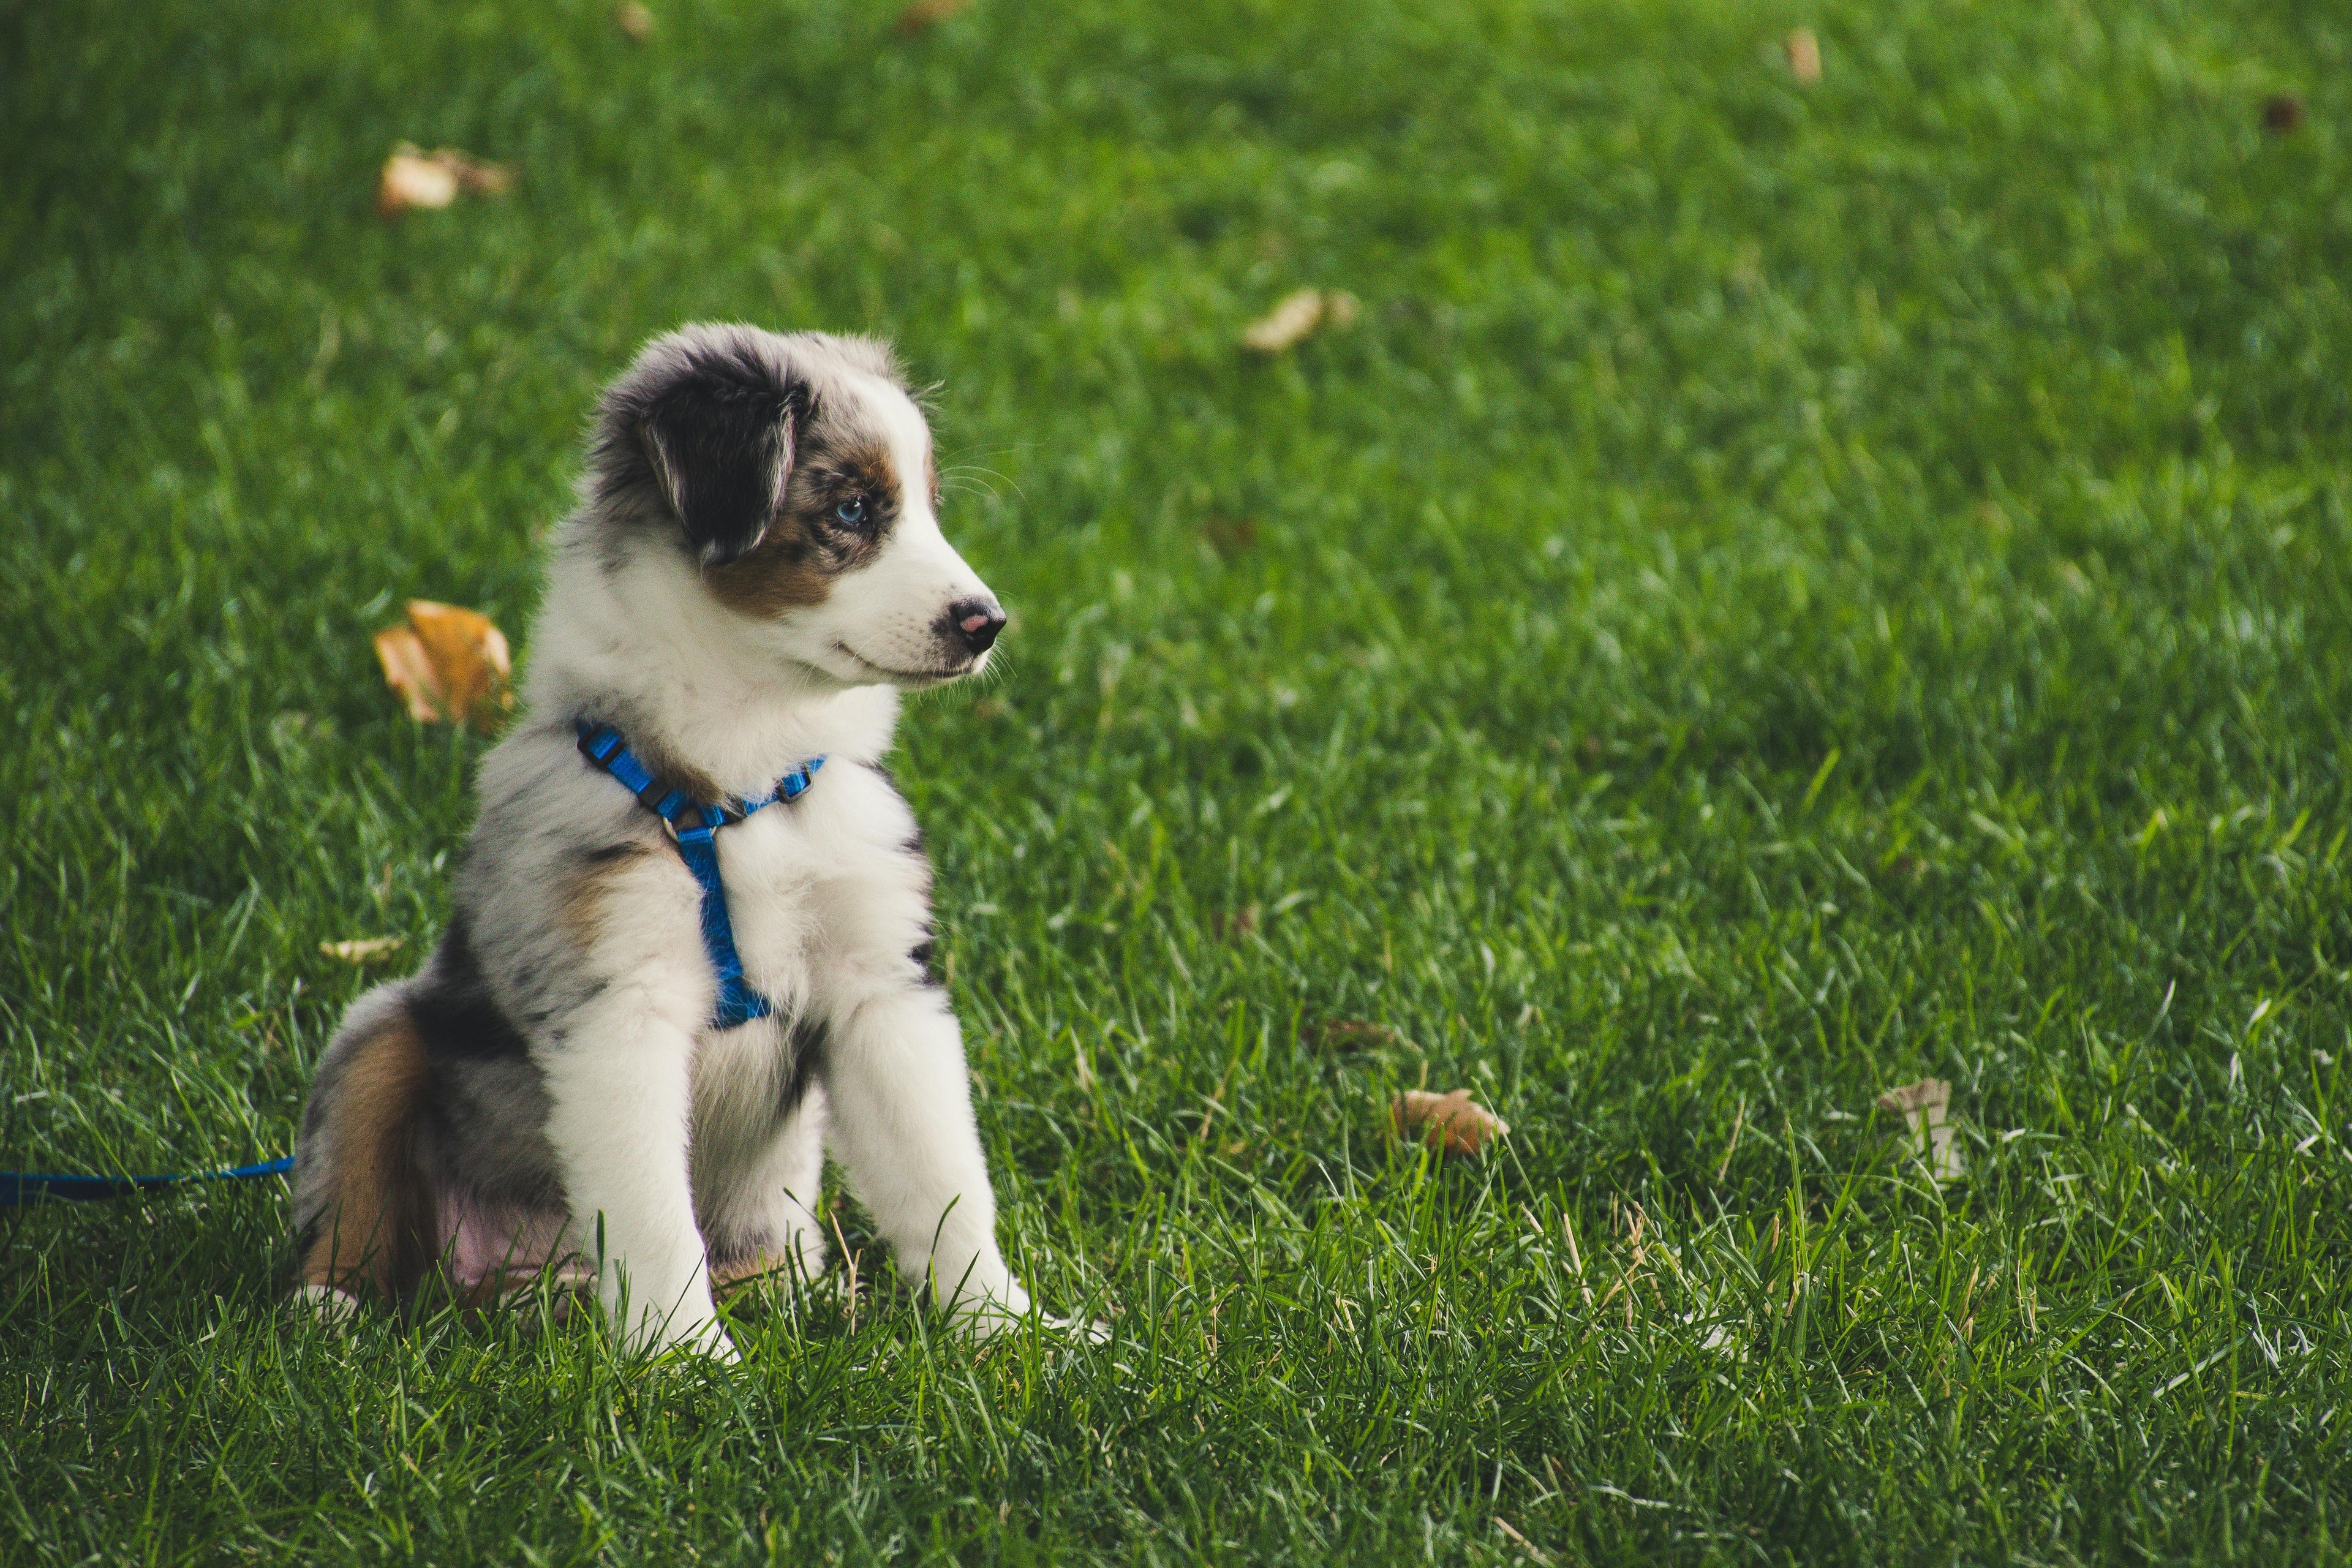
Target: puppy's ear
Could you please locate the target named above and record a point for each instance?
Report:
(720, 440)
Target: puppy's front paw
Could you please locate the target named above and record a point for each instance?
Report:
(712, 1341)
(988, 1317)
(326, 1305)
(692, 1327)
(1095, 1331)
(1092, 1332)
(708, 1338)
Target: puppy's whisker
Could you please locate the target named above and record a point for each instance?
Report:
(973, 471)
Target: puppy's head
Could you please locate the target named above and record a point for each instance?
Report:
(793, 474)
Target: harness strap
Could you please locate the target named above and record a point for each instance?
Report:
(694, 828)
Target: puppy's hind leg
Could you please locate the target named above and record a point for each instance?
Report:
(363, 1209)
(762, 1221)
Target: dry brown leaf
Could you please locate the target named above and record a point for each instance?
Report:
(1929, 1095)
(1354, 1034)
(1924, 1106)
(363, 949)
(432, 180)
(1227, 535)
(1804, 55)
(636, 21)
(408, 670)
(480, 179)
(448, 663)
(1298, 315)
(927, 13)
(1292, 319)
(412, 180)
(1453, 1119)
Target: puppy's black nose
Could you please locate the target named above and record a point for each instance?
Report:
(977, 622)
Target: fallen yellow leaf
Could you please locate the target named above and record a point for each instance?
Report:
(481, 179)
(1804, 55)
(1454, 1120)
(1354, 1034)
(408, 670)
(1291, 320)
(448, 663)
(432, 180)
(1298, 314)
(1924, 1106)
(412, 180)
(1228, 535)
(363, 949)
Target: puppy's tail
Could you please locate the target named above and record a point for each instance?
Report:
(364, 1208)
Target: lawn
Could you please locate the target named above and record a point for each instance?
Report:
(1786, 590)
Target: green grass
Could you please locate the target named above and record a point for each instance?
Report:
(1785, 593)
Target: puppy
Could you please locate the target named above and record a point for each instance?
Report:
(575, 1081)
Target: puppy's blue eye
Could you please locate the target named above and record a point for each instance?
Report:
(852, 511)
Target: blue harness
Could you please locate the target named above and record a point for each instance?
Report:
(695, 828)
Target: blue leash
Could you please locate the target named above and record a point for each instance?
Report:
(18, 1188)
(695, 829)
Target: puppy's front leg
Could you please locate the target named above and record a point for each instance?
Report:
(901, 1098)
(622, 1085)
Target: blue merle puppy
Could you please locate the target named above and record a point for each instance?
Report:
(753, 574)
